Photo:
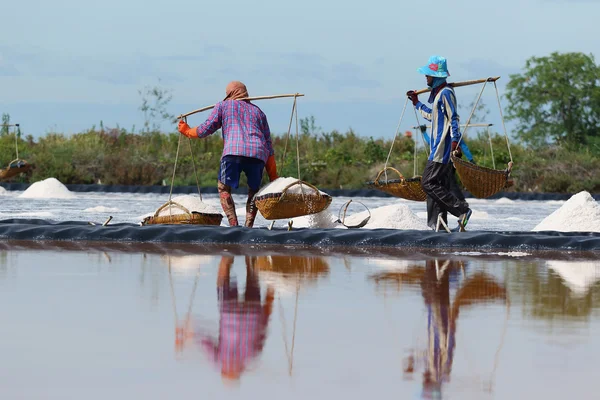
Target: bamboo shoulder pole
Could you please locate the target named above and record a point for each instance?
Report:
(463, 83)
(276, 96)
(462, 126)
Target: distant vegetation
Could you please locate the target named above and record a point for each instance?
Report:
(558, 149)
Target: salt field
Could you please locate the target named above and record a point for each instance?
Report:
(123, 311)
(53, 201)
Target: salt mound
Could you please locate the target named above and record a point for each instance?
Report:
(393, 216)
(504, 200)
(192, 203)
(579, 276)
(324, 220)
(280, 183)
(101, 209)
(3, 191)
(581, 213)
(50, 188)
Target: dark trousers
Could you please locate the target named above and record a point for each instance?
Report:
(443, 193)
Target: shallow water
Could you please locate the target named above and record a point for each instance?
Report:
(100, 322)
(491, 215)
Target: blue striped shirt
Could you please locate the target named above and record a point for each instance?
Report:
(444, 124)
(463, 147)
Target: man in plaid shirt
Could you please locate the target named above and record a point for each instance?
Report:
(247, 147)
(242, 325)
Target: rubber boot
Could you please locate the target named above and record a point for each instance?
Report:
(227, 203)
(251, 209)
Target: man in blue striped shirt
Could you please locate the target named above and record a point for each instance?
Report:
(438, 181)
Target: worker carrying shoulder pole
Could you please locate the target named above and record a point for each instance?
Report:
(247, 147)
(438, 180)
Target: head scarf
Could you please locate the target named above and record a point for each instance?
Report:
(437, 82)
(235, 90)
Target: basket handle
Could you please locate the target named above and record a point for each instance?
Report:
(391, 169)
(298, 182)
(360, 224)
(170, 202)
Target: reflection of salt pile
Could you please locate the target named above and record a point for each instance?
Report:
(579, 276)
(188, 263)
(3, 191)
(581, 213)
(390, 264)
(393, 216)
(279, 184)
(50, 188)
(192, 203)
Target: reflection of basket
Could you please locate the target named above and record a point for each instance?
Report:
(480, 181)
(189, 218)
(409, 189)
(291, 205)
(298, 266)
(15, 168)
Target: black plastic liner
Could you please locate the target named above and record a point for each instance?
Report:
(241, 190)
(36, 229)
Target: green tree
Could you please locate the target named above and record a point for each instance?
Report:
(154, 106)
(5, 123)
(556, 99)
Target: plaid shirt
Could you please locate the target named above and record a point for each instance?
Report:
(243, 329)
(244, 126)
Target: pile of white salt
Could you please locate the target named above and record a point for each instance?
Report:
(323, 220)
(50, 188)
(393, 216)
(581, 213)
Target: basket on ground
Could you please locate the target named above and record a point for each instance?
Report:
(409, 189)
(480, 181)
(15, 168)
(187, 218)
(283, 205)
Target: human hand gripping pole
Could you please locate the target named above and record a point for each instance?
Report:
(412, 96)
(456, 149)
(185, 129)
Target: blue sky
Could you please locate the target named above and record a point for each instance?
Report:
(65, 65)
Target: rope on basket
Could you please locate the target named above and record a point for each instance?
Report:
(394, 141)
(175, 169)
(503, 124)
(287, 139)
(190, 305)
(289, 352)
(501, 117)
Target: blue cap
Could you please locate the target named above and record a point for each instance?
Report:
(436, 67)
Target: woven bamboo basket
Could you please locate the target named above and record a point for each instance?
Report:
(480, 181)
(9, 172)
(189, 218)
(409, 189)
(286, 205)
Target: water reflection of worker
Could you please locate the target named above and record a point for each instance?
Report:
(441, 325)
(243, 323)
(439, 278)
